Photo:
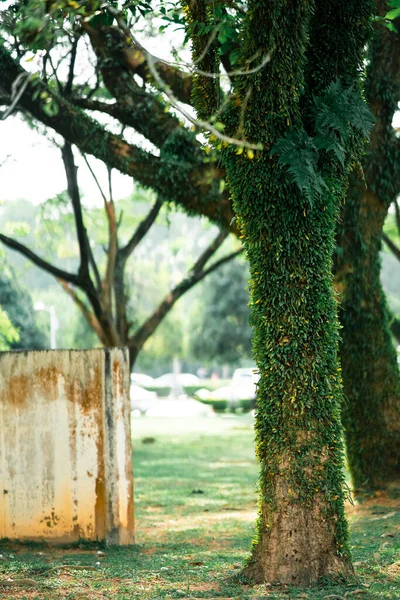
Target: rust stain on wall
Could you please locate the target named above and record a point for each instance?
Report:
(65, 445)
(17, 390)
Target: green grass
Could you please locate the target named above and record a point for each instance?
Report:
(192, 544)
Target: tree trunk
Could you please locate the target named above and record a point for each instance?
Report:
(371, 409)
(370, 412)
(302, 530)
(288, 232)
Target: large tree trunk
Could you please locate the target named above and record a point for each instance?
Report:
(371, 409)
(302, 531)
(370, 412)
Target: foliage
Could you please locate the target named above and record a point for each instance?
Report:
(18, 316)
(220, 332)
(8, 333)
(338, 113)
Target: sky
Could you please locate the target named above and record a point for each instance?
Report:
(34, 169)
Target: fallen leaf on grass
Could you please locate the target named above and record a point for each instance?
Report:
(197, 563)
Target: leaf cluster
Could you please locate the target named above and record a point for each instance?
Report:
(337, 114)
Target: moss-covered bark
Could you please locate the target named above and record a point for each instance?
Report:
(370, 412)
(371, 409)
(288, 228)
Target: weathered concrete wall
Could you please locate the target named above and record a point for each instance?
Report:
(65, 447)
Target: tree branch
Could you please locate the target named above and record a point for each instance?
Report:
(199, 195)
(87, 313)
(73, 191)
(70, 80)
(196, 274)
(394, 249)
(40, 262)
(141, 231)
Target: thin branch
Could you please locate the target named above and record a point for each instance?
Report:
(16, 95)
(196, 274)
(89, 316)
(231, 4)
(194, 70)
(397, 211)
(394, 249)
(93, 174)
(73, 191)
(70, 80)
(205, 125)
(208, 252)
(40, 262)
(112, 246)
(141, 230)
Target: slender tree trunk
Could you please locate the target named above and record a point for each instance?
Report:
(371, 409)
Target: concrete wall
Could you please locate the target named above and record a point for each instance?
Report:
(65, 447)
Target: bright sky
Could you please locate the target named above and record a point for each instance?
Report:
(35, 171)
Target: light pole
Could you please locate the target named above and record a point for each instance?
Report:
(54, 324)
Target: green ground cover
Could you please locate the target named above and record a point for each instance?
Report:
(195, 484)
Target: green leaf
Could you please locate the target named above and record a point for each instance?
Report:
(389, 25)
(393, 14)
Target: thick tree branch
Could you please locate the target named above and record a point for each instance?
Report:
(141, 231)
(77, 128)
(130, 56)
(193, 185)
(40, 262)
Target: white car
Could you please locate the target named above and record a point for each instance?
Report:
(183, 379)
(180, 408)
(142, 379)
(141, 400)
(244, 383)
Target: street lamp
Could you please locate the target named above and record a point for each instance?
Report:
(54, 323)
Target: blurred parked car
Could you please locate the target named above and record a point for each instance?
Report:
(142, 379)
(244, 383)
(180, 408)
(183, 379)
(141, 399)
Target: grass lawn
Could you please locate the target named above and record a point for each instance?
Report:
(195, 483)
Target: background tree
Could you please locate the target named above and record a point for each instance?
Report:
(220, 331)
(17, 309)
(371, 411)
(286, 210)
(104, 303)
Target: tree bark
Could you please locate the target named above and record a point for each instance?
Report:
(371, 409)
(370, 412)
(301, 531)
